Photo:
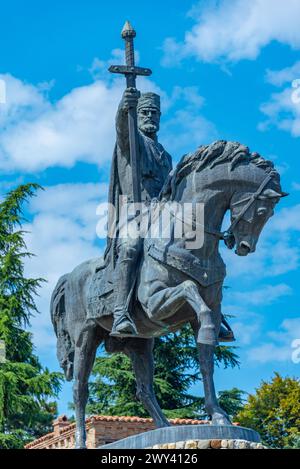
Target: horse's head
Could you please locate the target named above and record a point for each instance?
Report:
(249, 213)
(225, 175)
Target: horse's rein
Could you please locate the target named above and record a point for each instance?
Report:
(227, 235)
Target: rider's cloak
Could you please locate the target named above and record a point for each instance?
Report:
(155, 165)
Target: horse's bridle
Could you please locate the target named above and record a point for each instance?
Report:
(227, 235)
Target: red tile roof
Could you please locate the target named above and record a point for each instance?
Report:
(111, 418)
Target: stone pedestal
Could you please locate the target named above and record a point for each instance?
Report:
(191, 436)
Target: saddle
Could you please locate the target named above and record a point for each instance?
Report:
(205, 271)
(100, 286)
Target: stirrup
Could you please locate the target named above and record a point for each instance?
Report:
(226, 333)
(123, 327)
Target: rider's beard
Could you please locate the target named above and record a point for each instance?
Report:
(149, 128)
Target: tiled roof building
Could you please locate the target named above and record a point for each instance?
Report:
(100, 429)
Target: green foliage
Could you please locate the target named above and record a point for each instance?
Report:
(112, 390)
(231, 401)
(25, 387)
(293, 441)
(274, 411)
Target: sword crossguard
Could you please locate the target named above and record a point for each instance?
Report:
(126, 70)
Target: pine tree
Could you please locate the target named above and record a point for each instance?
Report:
(26, 388)
(232, 401)
(112, 388)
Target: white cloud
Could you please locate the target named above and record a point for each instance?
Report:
(290, 329)
(288, 219)
(99, 67)
(195, 130)
(271, 258)
(185, 129)
(236, 30)
(246, 333)
(285, 75)
(23, 101)
(269, 353)
(277, 252)
(76, 202)
(37, 134)
(282, 110)
(281, 347)
(265, 295)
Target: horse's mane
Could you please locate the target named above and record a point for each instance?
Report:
(209, 156)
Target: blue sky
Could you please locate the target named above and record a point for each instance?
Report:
(224, 70)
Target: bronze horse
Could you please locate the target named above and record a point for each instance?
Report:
(175, 285)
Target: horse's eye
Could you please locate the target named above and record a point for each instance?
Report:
(261, 211)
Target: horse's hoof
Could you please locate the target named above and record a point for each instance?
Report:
(220, 419)
(207, 335)
(163, 424)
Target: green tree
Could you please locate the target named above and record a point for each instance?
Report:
(112, 389)
(232, 401)
(26, 388)
(274, 412)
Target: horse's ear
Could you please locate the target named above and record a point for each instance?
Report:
(270, 194)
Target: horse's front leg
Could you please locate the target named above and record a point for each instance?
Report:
(83, 362)
(164, 303)
(206, 360)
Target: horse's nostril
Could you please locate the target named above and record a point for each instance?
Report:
(245, 246)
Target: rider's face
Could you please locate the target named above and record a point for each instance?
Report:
(148, 119)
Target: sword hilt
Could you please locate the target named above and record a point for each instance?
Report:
(128, 33)
(129, 70)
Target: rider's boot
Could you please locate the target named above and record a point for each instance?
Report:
(123, 325)
(226, 333)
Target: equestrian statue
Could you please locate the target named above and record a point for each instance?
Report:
(149, 284)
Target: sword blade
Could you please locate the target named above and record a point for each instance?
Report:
(134, 155)
(128, 34)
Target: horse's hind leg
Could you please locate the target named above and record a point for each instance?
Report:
(140, 351)
(83, 363)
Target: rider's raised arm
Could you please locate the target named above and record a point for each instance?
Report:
(129, 99)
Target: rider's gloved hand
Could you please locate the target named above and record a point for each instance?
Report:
(130, 98)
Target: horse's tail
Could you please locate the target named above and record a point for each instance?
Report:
(65, 344)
